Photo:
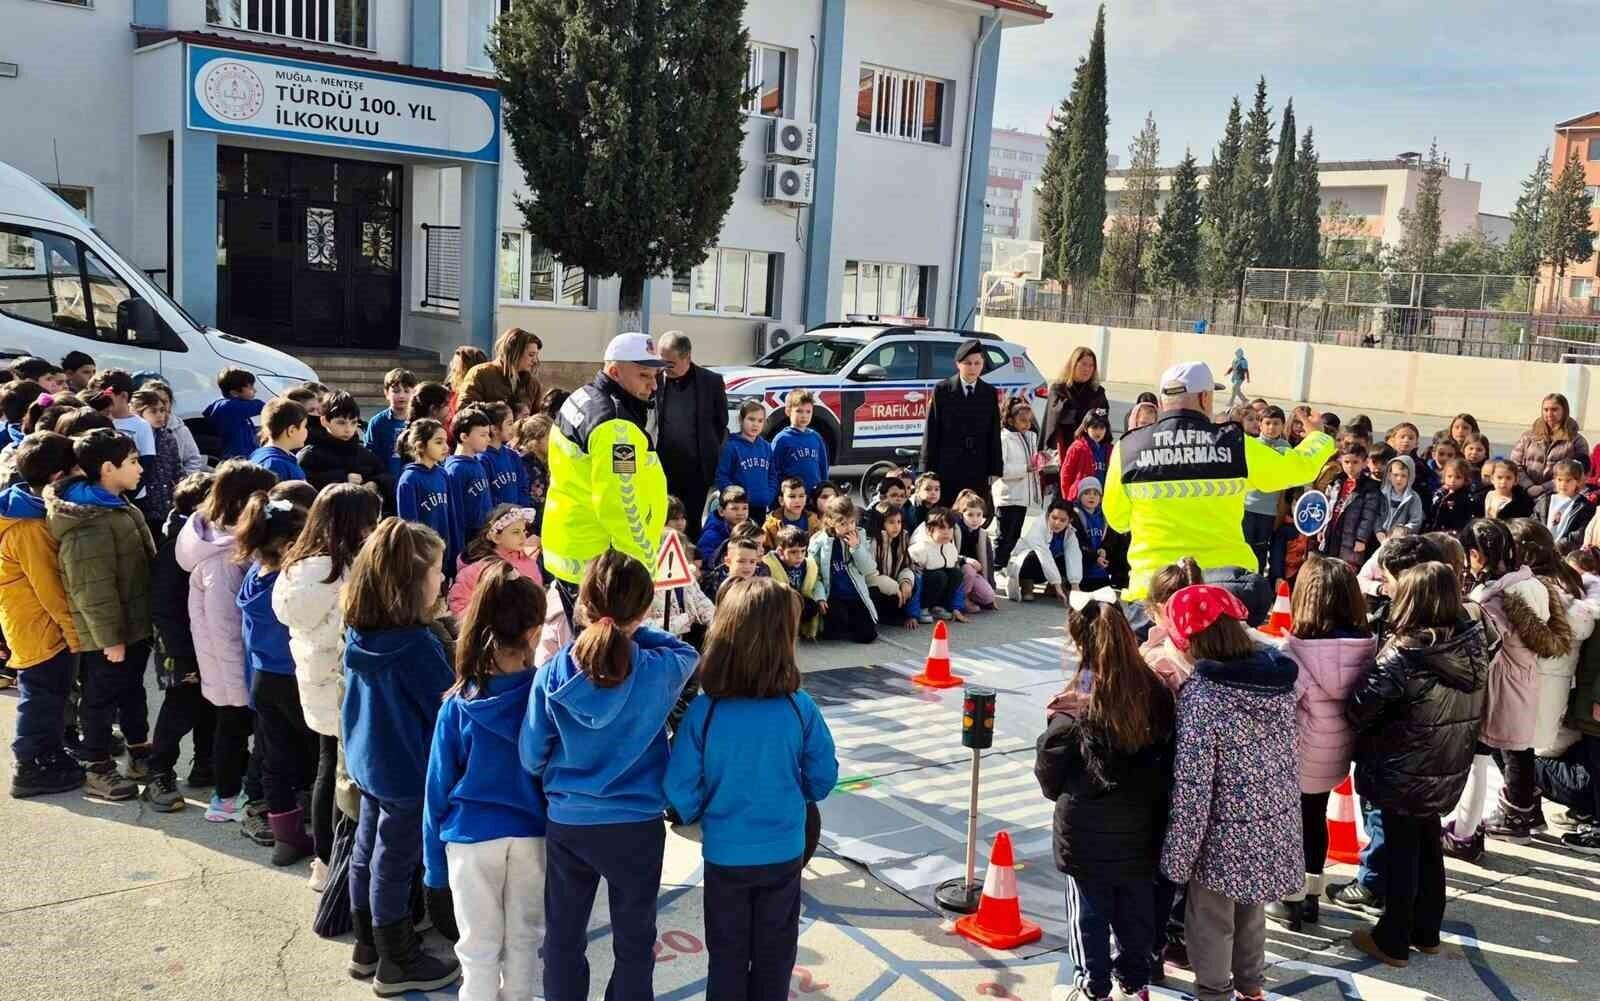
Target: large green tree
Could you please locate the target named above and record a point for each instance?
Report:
(626, 117)
(1422, 225)
(1305, 241)
(1522, 255)
(1053, 178)
(1244, 240)
(1218, 209)
(1278, 243)
(1566, 231)
(1133, 226)
(1175, 260)
(1084, 193)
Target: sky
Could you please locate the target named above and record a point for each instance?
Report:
(1488, 79)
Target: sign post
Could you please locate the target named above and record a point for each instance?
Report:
(673, 568)
(977, 732)
(1311, 513)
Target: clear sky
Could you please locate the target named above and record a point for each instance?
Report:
(1489, 78)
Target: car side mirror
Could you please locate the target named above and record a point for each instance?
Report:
(871, 373)
(137, 323)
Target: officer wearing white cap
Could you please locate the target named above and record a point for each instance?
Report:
(607, 488)
(961, 435)
(1179, 485)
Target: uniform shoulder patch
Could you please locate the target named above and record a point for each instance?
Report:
(624, 459)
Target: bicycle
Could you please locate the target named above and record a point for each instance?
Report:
(878, 471)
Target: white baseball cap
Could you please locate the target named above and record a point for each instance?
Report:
(1188, 377)
(636, 348)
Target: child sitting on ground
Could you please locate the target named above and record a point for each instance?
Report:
(1093, 534)
(787, 561)
(891, 493)
(924, 498)
(733, 509)
(1047, 553)
(937, 558)
(843, 555)
(741, 560)
(790, 513)
(894, 585)
(1455, 503)
(684, 611)
(977, 551)
(507, 537)
(1565, 511)
(1506, 498)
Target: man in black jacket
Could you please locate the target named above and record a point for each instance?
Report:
(691, 425)
(961, 440)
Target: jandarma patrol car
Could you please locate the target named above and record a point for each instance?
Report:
(873, 382)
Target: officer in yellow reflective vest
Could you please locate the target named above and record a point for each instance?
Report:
(607, 487)
(1178, 485)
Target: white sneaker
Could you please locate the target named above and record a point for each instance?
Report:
(319, 875)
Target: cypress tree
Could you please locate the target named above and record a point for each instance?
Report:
(1522, 248)
(1052, 179)
(1084, 193)
(1176, 257)
(1245, 238)
(1565, 234)
(626, 117)
(1278, 246)
(1421, 226)
(1305, 249)
(1223, 160)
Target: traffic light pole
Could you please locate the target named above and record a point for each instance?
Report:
(977, 732)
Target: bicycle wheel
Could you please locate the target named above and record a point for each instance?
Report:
(872, 477)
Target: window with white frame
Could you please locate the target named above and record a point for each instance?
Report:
(766, 78)
(900, 105)
(336, 22)
(1580, 288)
(531, 276)
(877, 288)
(729, 282)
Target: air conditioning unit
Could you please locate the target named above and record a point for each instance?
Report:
(789, 184)
(790, 139)
(772, 335)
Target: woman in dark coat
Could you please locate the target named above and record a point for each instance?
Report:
(1075, 392)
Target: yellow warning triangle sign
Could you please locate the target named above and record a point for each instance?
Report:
(673, 568)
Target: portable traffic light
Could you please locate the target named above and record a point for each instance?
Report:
(977, 717)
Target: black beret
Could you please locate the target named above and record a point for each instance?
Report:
(969, 346)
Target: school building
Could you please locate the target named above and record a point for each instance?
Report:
(1579, 289)
(332, 175)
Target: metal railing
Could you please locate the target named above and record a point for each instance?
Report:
(334, 22)
(441, 266)
(1498, 293)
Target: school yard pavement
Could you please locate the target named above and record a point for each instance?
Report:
(113, 901)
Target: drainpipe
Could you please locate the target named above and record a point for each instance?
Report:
(966, 171)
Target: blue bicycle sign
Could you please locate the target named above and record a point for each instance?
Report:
(1310, 513)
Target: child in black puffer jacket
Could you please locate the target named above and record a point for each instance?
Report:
(1105, 758)
(1416, 716)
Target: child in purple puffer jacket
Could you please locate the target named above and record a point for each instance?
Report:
(1235, 830)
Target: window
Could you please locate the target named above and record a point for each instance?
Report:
(78, 198)
(900, 105)
(531, 276)
(899, 360)
(1593, 191)
(1580, 288)
(76, 3)
(1593, 152)
(873, 288)
(52, 280)
(733, 282)
(336, 22)
(766, 77)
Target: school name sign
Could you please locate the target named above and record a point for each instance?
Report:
(243, 93)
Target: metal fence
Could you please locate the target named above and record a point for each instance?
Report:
(441, 268)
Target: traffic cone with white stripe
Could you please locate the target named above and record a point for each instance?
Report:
(1278, 623)
(936, 672)
(998, 923)
(1344, 841)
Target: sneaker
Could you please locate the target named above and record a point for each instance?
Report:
(1586, 841)
(1465, 849)
(223, 810)
(940, 614)
(925, 617)
(201, 776)
(139, 762)
(162, 793)
(1572, 819)
(101, 780)
(255, 825)
(1356, 897)
(319, 875)
(1014, 588)
(1510, 824)
(44, 775)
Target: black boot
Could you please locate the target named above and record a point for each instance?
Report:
(404, 966)
(364, 957)
(1310, 911)
(1285, 912)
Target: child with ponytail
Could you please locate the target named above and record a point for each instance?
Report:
(483, 825)
(749, 760)
(395, 672)
(306, 601)
(270, 524)
(596, 737)
(1105, 758)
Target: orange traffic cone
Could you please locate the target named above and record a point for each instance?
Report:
(1278, 622)
(998, 923)
(936, 673)
(1344, 841)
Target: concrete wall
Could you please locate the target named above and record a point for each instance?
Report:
(1495, 391)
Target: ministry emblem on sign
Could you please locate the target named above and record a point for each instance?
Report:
(234, 91)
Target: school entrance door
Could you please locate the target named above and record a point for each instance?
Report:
(308, 249)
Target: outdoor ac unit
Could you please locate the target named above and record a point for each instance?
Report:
(792, 140)
(771, 335)
(789, 184)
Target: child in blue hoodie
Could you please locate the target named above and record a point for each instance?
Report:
(288, 749)
(508, 478)
(733, 510)
(798, 450)
(395, 673)
(1092, 532)
(749, 759)
(235, 418)
(285, 424)
(596, 736)
(422, 494)
(746, 460)
(483, 832)
(470, 497)
(383, 431)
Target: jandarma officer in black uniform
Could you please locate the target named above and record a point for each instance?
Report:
(961, 440)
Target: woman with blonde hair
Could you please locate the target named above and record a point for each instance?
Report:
(1074, 393)
(510, 377)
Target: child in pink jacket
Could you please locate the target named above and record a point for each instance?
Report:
(205, 550)
(507, 536)
(1171, 665)
(1330, 641)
